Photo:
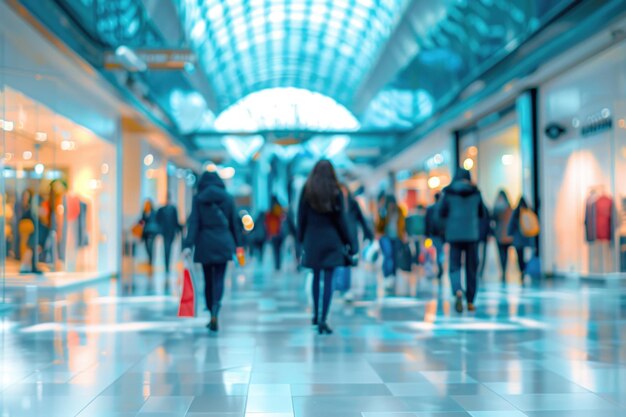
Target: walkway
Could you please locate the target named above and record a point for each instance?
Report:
(554, 352)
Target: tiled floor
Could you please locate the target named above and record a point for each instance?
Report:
(554, 351)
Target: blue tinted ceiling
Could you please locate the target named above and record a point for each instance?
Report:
(325, 46)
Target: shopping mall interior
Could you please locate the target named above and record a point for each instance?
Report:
(146, 145)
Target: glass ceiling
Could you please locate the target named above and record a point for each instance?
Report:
(325, 46)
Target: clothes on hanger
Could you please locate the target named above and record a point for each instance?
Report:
(599, 218)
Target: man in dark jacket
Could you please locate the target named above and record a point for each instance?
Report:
(462, 209)
(169, 226)
(214, 229)
(435, 231)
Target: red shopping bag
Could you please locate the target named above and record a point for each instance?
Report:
(187, 306)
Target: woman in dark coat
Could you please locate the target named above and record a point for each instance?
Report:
(150, 229)
(502, 212)
(520, 242)
(214, 230)
(323, 232)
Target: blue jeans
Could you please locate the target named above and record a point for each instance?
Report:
(439, 243)
(388, 247)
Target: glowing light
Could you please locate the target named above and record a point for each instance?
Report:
(41, 136)
(507, 159)
(6, 125)
(434, 182)
(438, 159)
(472, 151)
(148, 160)
(468, 164)
(95, 184)
(227, 173)
(8, 156)
(27, 155)
(285, 108)
(39, 168)
(68, 145)
(428, 243)
(248, 222)
(104, 169)
(211, 167)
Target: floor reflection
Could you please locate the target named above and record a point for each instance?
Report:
(117, 349)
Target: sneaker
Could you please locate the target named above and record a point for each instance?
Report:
(471, 307)
(459, 302)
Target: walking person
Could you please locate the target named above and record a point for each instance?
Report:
(520, 241)
(214, 230)
(501, 217)
(169, 226)
(150, 230)
(391, 226)
(354, 221)
(462, 209)
(323, 232)
(436, 232)
(483, 243)
(274, 222)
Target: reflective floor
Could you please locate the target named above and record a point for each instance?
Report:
(119, 350)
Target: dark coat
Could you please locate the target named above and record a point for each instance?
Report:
(519, 240)
(434, 225)
(354, 219)
(213, 227)
(462, 209)
(324, 236)
(150, 224)
(167, 218)
(501, 219)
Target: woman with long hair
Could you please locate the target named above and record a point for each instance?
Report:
(502, 212)
(150, 229)
(214, 230)
(323, 232)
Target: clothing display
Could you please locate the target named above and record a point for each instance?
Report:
(599, 218)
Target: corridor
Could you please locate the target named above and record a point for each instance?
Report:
(118, 350)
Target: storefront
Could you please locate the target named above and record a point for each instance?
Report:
(583, 144)
(59, 159)
(499, 150)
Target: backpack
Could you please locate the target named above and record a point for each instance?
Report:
(528, 223)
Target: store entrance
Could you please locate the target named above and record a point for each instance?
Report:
(493, 155)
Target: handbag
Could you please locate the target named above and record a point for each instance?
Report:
(137, 230)
(187, 304)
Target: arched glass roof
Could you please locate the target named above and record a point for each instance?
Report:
(326, 46)
(285, 108)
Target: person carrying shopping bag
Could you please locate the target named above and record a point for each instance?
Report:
(214, 231)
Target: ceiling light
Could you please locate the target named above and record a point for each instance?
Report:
(27, 155)
(68, 145)
(129, 59)
(39, 168)
(507, 159)
(468, 164)
(41, 136)
(227, 173)
(148, 160)
(6, 125)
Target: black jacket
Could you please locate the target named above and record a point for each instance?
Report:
(462, 209)
(324, 236)
(434, 226)
(354, 219)
(167, 218)
(150, 225)
(213, 227)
